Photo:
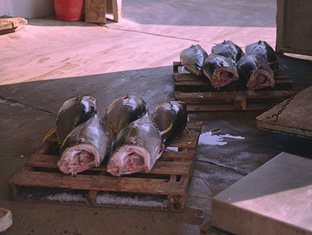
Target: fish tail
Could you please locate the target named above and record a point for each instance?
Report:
(50, 133)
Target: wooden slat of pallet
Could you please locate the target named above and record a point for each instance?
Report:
(160, 167)
(295, 119)
(98, 183)
(207, 97)
(232, 101)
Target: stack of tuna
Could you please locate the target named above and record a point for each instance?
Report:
(227, 63)
(127, 134)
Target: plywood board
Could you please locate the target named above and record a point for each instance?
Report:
(290, 37)
(295, 119)
(274, 199)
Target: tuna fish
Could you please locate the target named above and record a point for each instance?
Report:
(263, 49)
(135, 148)
(228, 49)
(171, 116)
(192, 59)
(85, 147)
(72, 113)
(220, 70)
(121, 112)
(255, 72)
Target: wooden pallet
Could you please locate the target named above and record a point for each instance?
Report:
(166, 183)
(10, 24)
(199, 95)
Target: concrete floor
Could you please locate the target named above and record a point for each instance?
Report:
(49, 61)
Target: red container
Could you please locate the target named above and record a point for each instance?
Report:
(68, 10)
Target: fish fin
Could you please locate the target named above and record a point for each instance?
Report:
(50, 133)
(114, 130)
(167, 130)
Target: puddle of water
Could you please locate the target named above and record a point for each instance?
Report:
(208, 138)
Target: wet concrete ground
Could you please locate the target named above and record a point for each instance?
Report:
(48, 62)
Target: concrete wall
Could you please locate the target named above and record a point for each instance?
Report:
(26, 8)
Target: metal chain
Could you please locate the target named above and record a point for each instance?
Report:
(276, 115)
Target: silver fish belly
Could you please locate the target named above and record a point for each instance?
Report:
(136, 148)
(85, 147)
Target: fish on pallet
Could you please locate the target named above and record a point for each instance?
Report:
(220, 70)
(263, 49)
(228, 49)
(85, 147)
(255, 73)
(135, 148)
(171, 116)
(72, 113)
(121, 112)
(192, 58)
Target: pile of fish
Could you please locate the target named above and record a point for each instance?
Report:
(128, 135)
(252, 69)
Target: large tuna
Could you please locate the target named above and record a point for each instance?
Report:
(228, 49)
(192, 58)
(121, 112)
(220, 70)
(135, 148)
(170, 117)
(85, 147)
(255, 72)
(72, 113)
(264, 50)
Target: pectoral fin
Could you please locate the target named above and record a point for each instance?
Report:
(50, 133)
(166, 130)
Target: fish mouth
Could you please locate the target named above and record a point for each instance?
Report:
(129, 159)
(260, 79)
(223, 76)
(78, 158)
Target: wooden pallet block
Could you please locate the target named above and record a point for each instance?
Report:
(168, 180)
(199, 95)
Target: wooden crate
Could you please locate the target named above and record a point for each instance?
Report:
(166, 183)
(198, 94)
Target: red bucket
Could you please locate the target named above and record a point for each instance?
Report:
(68, 10)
